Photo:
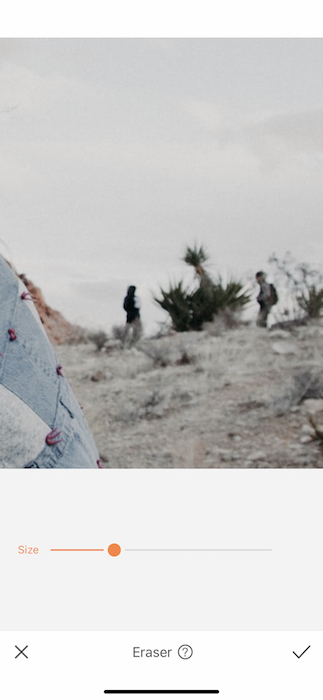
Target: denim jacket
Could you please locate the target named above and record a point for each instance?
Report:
(30, 370)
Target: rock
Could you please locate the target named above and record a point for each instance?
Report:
(280, 334)
(57, 328)
(113, 344)
(234, 436)
(257, 456)
(306, 429)
(305, 439)
(159, 411)
(98, 376)
(310, 332)
(300, 462)
(235, 456)
(284, 348)
(313, 405)
(224, 455)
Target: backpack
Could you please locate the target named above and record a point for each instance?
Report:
(273, 295)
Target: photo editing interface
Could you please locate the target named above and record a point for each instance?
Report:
(181, 583)
(161, 385)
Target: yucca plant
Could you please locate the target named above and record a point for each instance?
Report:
(233, 295)
(196, 257)
(202, 305)
(190, 310)
(176, 302)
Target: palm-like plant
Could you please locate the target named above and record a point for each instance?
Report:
(232, 295)
(176, 303)
(196, 257)
(190, 310)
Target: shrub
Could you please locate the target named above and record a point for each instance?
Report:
(306, 384)
(158, 354)
(177, 304)
(303, 286)
(312, 301)
(77, 336)
(189, 310)
(184, 359)
(99, 338)
(317, 434)
(118, 333)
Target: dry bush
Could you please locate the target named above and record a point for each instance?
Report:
(148, 406)
(317, 431)
(118, 333)
(77, 336)
(306, 384)
(230, 318)
(159, 355)
(226, 319)
(165, 331)
(184, 359)
(302, 285)
(99, 338)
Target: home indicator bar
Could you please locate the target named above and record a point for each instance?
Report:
(162, 692)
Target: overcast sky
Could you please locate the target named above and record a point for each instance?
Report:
(118, 153)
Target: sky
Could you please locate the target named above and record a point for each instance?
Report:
(116, 154)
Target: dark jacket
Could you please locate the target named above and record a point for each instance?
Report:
(130, 306)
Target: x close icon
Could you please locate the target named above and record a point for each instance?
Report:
(21, 651)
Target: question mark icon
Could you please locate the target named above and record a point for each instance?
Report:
(185, 651)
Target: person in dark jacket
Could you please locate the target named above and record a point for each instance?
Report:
(264, 299)
(133, 323)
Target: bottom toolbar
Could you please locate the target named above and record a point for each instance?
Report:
(89, 665)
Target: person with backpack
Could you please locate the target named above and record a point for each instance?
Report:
(131, 307)
(266, 299)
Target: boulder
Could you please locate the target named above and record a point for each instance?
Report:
(284, 347)
(58, 329)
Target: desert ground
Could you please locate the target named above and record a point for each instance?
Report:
(244, 398)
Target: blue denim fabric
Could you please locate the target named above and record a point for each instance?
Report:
(28, 368)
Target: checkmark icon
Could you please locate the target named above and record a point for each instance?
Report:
(303, 652)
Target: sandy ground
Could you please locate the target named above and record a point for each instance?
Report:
(241, 398)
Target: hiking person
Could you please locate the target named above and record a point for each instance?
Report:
(266, 298)
(132, 308)
(41, 424)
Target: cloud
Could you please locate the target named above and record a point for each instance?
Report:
(302, 130)
(208, 115)
(120, 153)
(291, 139)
